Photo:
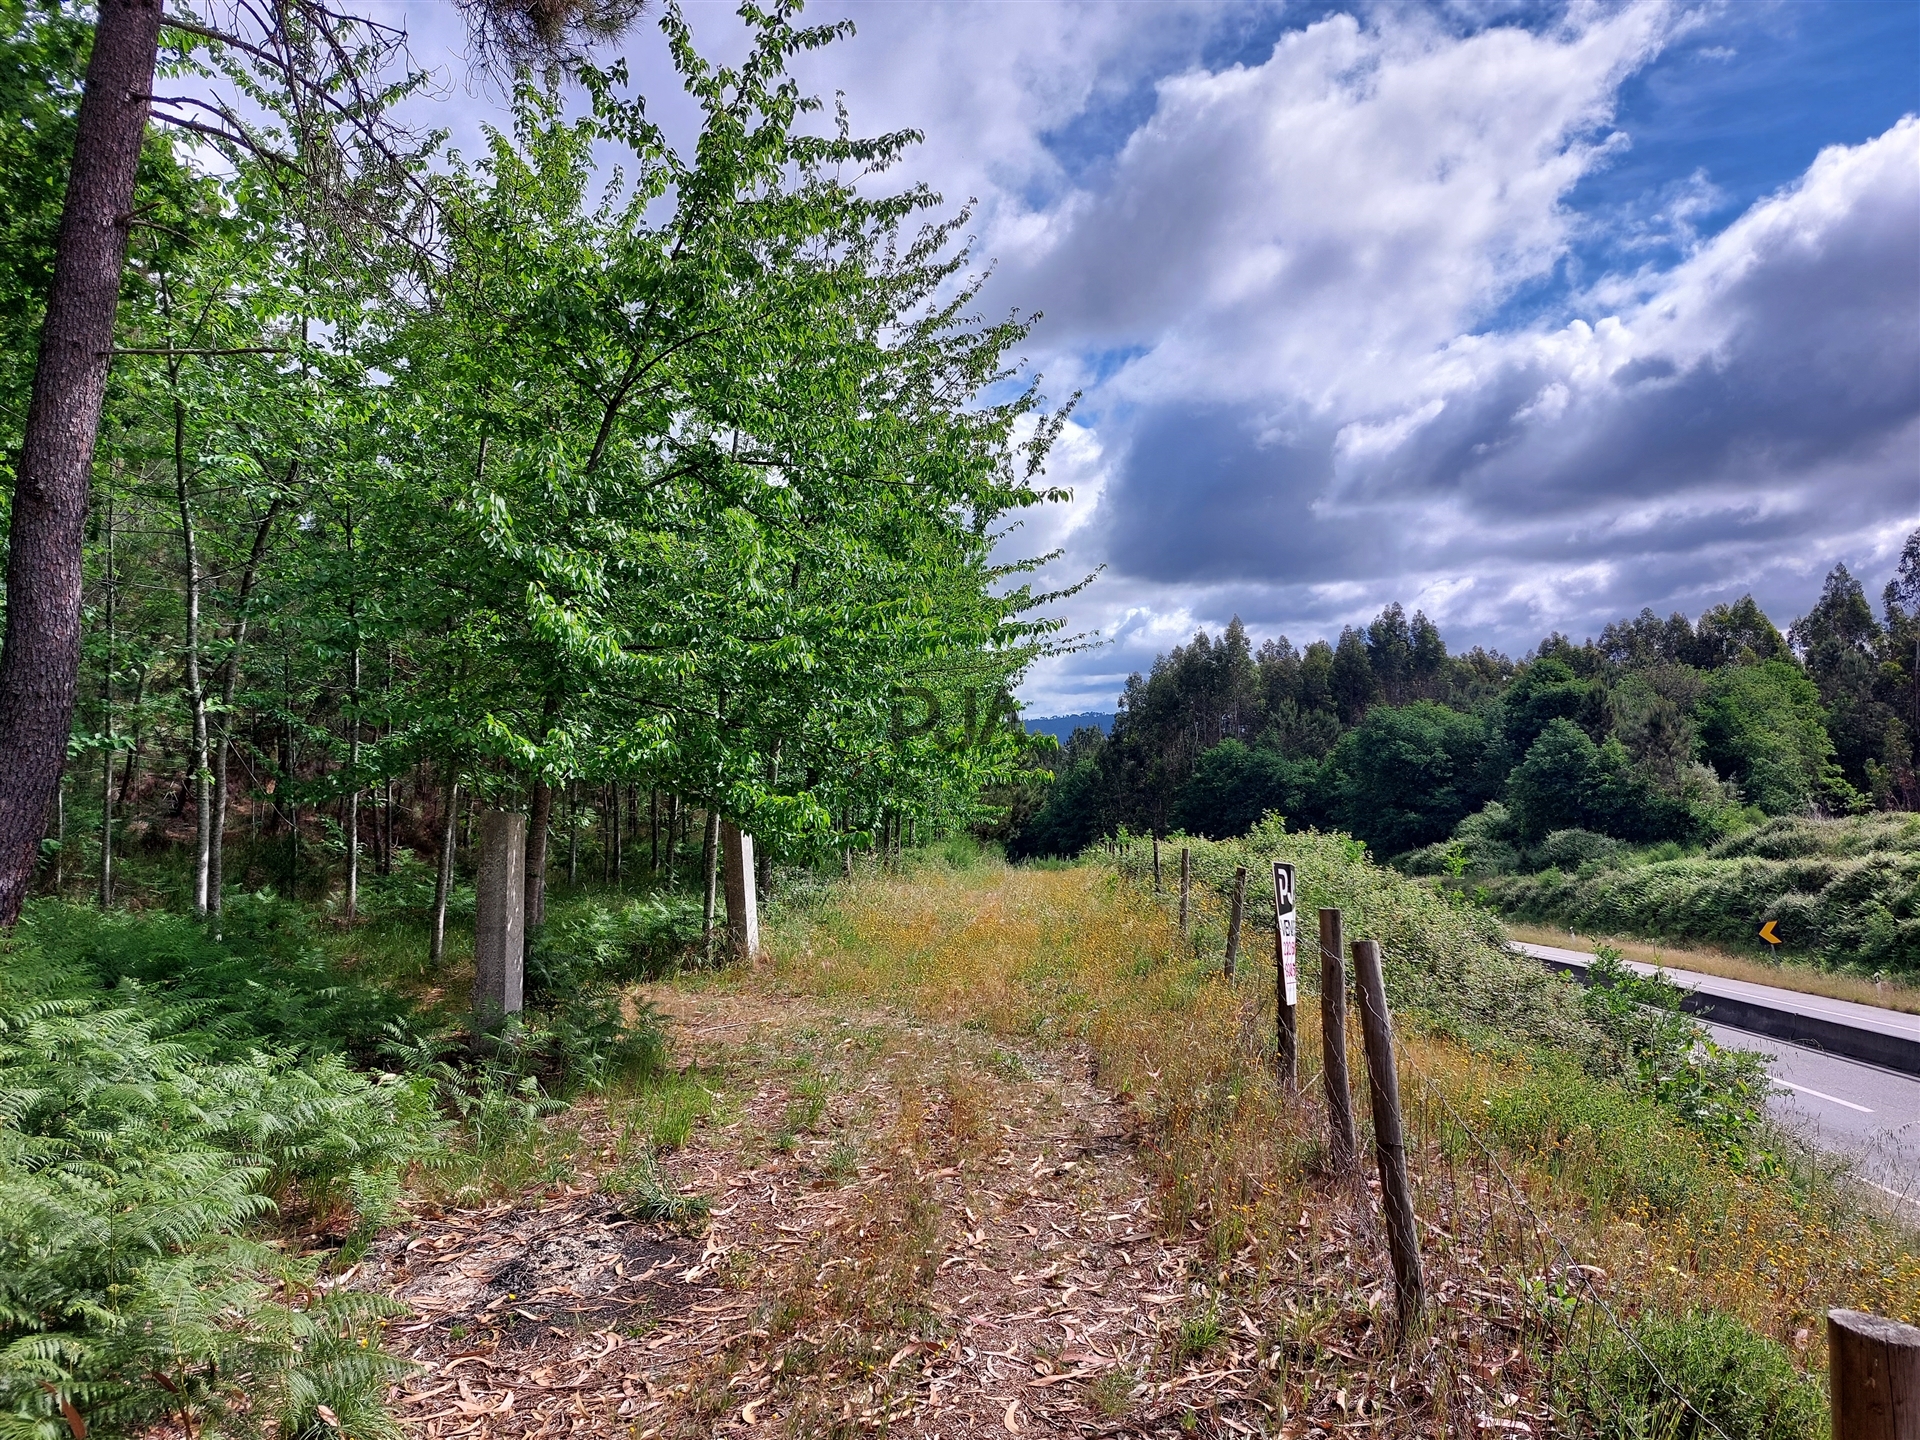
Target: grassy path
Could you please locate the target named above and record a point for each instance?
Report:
(992, 1152)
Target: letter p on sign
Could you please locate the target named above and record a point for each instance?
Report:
(1283, 920)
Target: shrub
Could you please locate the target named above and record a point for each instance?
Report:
(1844, 891)
(265, 981)
(1744, 1383)
(1570, 849)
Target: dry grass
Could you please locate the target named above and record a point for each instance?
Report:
(1579, 1175)
(997, 1152)
(1708, 960)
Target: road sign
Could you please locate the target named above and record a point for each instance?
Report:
(1766, 933)
(1284, 921)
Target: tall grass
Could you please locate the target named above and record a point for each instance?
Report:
(1527, 1162)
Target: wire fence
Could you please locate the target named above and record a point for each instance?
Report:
(1497, 1269)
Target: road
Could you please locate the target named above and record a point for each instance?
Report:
(1865, 1112)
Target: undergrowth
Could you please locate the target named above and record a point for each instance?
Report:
(197, 1128)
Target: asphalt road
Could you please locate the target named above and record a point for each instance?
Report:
(1865, 1113)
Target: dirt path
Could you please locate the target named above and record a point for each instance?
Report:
(912, 1229)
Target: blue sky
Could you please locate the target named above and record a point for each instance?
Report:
(1526, 315)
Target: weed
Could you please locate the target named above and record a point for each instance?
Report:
(808, 1103)
(1008, 1065)
(1112, 1393)
(843, 1161)
(1199, 1333)
(1743, 1383)
(643, 1195)
(666, 1110)
(966, 1112)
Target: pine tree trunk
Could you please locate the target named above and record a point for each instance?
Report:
(40, 657)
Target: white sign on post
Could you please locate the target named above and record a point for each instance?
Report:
(1284, 921)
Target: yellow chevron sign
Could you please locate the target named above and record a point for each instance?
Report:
(1766, 933)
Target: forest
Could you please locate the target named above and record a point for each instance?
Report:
(1672, 743)
(592, 474)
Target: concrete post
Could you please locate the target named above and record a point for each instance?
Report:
(499, 920)
(743, 910)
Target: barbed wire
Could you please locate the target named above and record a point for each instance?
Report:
(1544, 1233)
(1550, 1240)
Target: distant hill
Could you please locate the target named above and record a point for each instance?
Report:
(1063, 726)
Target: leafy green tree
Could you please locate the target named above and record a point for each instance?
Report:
(1236, 785)
(1350, 679)
(1407, 774)
(1074, 816)
(1545, 691)
(1841, 642)
(1737, 634)
(1566, 782)
(1762, 726)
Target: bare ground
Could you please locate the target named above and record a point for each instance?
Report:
(913, 1230)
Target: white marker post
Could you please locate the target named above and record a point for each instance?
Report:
(1287, 965)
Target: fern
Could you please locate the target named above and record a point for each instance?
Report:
(136, 1158)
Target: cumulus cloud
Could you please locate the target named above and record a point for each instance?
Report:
(1317, 425)
(1286, 272)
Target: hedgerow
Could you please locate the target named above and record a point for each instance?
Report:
(1846, 892)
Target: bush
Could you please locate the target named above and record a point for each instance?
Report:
(1233, 785)
(1570, 849)
(1406, 775)
(1744, 1383)
(1846, 892)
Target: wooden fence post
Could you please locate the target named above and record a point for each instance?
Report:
(1873, 1369)
(1156, 864)
(1233, 920)
(1286, 1059)
(1186, 883)
(1286, 976)
(1389, 1136)
(1341, 1144)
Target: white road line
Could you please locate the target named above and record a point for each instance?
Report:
(1821, 1095)
(1903, 1196)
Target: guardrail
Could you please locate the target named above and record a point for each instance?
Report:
(1739, 1009)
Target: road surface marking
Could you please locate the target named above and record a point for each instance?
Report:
(1821, 1095)
(1903, 1196)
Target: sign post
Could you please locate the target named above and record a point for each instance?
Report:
(1287, 976)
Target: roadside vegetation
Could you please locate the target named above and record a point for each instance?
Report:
(1673, 780)
(1561, 1166)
